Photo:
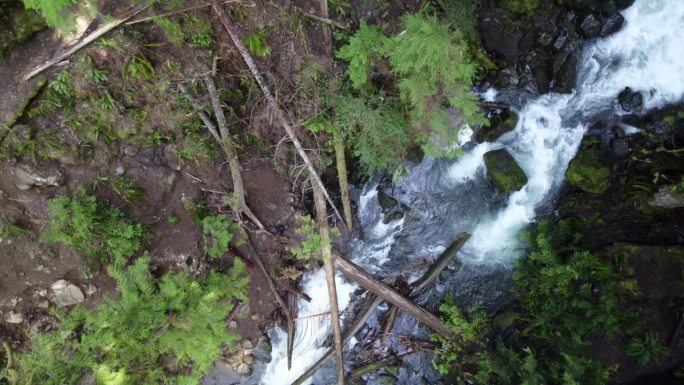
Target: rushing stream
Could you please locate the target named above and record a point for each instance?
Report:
(445, 197)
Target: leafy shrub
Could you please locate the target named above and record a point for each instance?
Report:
(53, 11)
(565, 299)
(377, 133)
(431, 68)
(90, 227)
(218, 232)
(312, 243)
(138, 68)
(170, 331)
(362, 50)
(647, 348)
(256, 43)
(310, 247)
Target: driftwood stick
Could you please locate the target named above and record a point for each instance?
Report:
(203, 115)
(356, 373)
(89, 39)
(326, 250)
(427, 280)
(280, 115)
(333, 23)
(382, 290)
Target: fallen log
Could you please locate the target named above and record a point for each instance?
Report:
(373, 301)
(89, 39)
(427, 280)
(382, 290)
(326, 250)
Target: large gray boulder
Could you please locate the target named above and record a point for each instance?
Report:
(66, 294)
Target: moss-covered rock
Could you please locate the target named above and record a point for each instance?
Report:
(500, 124)
(17, 24)
(586, 172)
(504, 171)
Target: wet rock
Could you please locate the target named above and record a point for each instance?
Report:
(66, 294)
(131, 150)
(591, 26)
(499, 125)
(630, 100)
(504, 171)
(612, 24)
(586, 172)
(232, 325)
(386, 202)
(27, 177)
(545, 39)
(668, 197)
(243, 369)
(566, 72)
(14, 318)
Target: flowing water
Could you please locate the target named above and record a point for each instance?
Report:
(445, 197)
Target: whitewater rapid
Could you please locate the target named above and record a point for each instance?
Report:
(446, 198)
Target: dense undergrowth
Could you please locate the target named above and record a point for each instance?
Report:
(569, 300)
(170, 330)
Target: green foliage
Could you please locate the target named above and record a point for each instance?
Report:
(432, 70)
(256, 43)
(125, 189)
(218, 232)
(312, 243)
(53, 11)
(173, 31)
(376, 132)
(647, 348)
(85, 225)
(170, 331)
(520, 6)
(138, 68)
(362, 50)
(566, 299)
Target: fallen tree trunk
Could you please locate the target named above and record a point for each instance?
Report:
(280, 115)
(373, 301)
(89, 39)
(382, 290)
(322, 217)
(238, 203)
(427, 280)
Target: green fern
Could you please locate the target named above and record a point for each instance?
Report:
(87, 226)
(647, 348)
(256, 43)
(363, 49)
(53, 11)
(218, 232)
(170, 331)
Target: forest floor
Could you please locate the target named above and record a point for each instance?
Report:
(164, 152)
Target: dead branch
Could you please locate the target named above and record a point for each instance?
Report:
(379, 288)
(374, 366)
(238, 203)
(322, 217)
(280, 115)
(325, 20)
(373, 301)
(203, 115)
(427, 280)
(237, 304)
(89, 39)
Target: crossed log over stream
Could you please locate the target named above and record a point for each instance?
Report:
(379, 292)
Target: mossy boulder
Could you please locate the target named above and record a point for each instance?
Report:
(500, 124)
(586, 172)
(504, 171)
(17, 24)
